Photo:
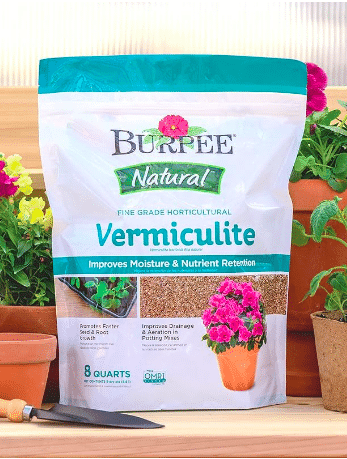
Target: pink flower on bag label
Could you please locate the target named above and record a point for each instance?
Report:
(257, 329)
(222, 314)
(235, 323)
(213, 333)
(173, 126)
(224, 334)
(244, 334)
(217, 300)
(207, 317)
(226, 287)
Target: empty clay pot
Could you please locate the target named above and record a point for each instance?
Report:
(24, 365)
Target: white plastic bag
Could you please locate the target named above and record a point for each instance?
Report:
(168, 178)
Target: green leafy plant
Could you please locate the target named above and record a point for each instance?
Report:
(336, 277)
(108, 297)
(26, 266)
(323, 150)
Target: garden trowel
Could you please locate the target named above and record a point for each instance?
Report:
(18, 411)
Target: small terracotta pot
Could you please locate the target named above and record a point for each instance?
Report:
(34, 319)
(24, 365)
(237, 367)
(331, 344)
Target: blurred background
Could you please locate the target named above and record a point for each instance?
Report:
(308, 31)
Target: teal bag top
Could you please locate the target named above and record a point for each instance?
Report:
(172, 73)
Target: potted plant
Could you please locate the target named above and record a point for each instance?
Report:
(320, 171)
(330, 325)
(235, 331)
(27, 300)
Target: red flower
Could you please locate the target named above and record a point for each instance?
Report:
(316, 83)
(173, 126)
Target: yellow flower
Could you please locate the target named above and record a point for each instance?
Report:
(24, 183)
(31, 211)
(13, 166)
(48, 220)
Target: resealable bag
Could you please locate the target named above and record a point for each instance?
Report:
(168, 179)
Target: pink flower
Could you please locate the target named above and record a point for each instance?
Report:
(207, 317)
(235, 308)
(173, 126)
(213, 333)
(250, 298)
(6, 183)
(222, 314)
(316, 77)
(257, 329)
(217, 300)
(244, 334)
(226, 286)
(316, 83)
(224, 334)
(235, 323)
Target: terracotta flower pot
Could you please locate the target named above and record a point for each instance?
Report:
(237, 367)
(24, 365)
(305, 263)
(34, 319)
(331, 344)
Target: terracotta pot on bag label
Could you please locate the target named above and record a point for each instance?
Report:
(237, 367)
(24, 363)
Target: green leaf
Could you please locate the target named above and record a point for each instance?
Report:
(108, 303)
(332, 301)
(329, 117)
(338, 185)
(3, 244)
(90, 284)
(294, 176)
(321, 215)
(299, 236)
(335, 129)
(23, 246)
(339, 282)
(341, 164)
(162, 141)
(150, 138)
(21, 278)
(153, 131)
(300, 163)
(123, 294)
(315, 282)
(195, 130)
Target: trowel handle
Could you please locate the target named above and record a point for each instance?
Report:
(12, 409)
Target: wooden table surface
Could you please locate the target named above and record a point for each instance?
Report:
(299, 428)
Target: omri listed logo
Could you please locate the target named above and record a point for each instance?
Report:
(154, 377)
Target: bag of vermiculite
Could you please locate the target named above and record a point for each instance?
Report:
(168, 179)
